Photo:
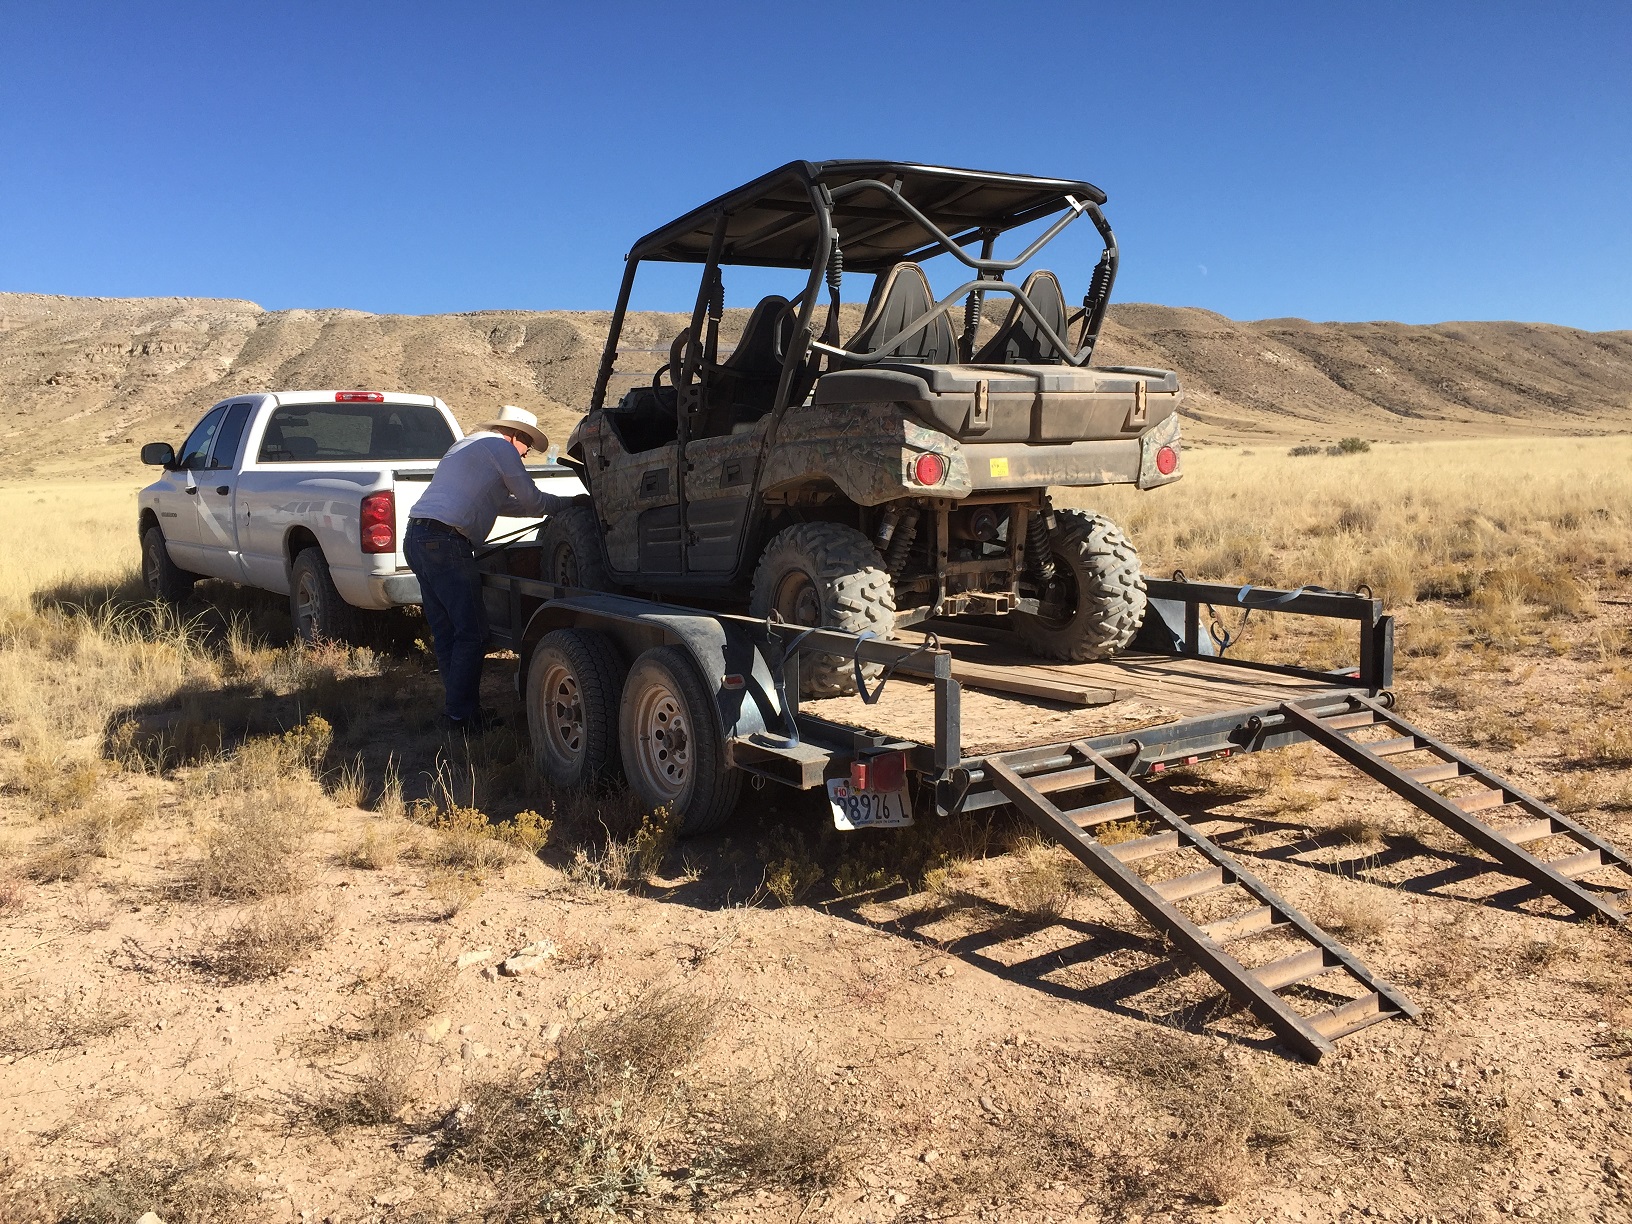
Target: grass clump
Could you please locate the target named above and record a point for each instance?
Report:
(32, 1027)
(77, 839)
(180, 1182)
(252, 853)
(265, 942)
(376, 1094)
(589, 1133)
(785, 1127)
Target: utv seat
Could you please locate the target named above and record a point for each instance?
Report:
(1018, 340)
(742, 388)
(899, 297)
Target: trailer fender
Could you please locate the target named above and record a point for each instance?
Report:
(728, 656)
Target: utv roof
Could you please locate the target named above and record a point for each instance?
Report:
(773, 222)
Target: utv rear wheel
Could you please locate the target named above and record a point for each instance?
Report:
(571, 550)
(829, 576)
(573, 682)
(1098, 596)
(164, 579)
(670, 741)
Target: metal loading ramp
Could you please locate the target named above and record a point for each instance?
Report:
(1490, 813)
(1258, 948)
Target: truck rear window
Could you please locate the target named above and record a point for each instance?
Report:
(304, 433)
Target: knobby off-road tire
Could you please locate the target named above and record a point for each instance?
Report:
(827, 575)
(672, 754)
(316, 608)
(574, 681)
(164, 579)
(1092, 553)
(570, 550)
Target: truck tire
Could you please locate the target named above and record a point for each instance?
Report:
(829, 575)
(570, 550)
(165, 580)
(1097, 560)
(672, 754)
(574, 680)
(315, 606)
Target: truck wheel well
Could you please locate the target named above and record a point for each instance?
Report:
(144, 520)
(297, 542)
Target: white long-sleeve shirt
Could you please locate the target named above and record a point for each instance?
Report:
(480, 478)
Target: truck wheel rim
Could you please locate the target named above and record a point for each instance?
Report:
(663, 754)
(563, 714)
(306, 606)
(797, 600)
(150, 568)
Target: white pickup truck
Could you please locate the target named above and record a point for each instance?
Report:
(305, 494)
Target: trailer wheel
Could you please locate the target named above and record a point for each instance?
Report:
(1101, 597)
(573, 682)
(164, 579)
(827, 575)
(315, 605)
(672, 754)
(571, 550)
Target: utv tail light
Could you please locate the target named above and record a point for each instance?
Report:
(359, 397)
(379, 523)
(1166, 460)
(930, 469)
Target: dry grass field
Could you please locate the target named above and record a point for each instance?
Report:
(270, 949)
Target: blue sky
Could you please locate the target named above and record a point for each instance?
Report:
(1419, 162)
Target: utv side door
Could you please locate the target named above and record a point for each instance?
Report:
(720, 474)
(634, 477)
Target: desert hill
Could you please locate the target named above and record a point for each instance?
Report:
(111, 372)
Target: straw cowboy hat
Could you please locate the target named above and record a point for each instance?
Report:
(517, 420)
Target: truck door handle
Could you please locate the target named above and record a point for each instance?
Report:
(223, 489)
(192, 490)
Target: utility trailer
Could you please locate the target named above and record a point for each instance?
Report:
(687, 704)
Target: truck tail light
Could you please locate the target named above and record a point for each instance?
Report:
(379, 523)
(359, 397)
(930, 469)
(1166, 460)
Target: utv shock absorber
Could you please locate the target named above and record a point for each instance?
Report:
(1038, 554)
(1098, 289)
(896, 559)
(886, 529)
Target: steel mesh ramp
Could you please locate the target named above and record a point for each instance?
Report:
(1238, 946)
(1494, 815)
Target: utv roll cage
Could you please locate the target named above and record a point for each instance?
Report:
(868, 216)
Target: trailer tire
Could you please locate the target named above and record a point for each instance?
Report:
(574, 679)
(570, 550)
(1110, 592)
(672, 754)
(316, 608)
(827, 575)
(165, 580)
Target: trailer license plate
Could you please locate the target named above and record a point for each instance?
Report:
(867, 809)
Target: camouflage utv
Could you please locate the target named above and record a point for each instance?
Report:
(873, 481)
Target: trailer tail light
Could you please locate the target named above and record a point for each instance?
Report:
(885, 772)
(930, 469)
(379, 523)
(1166, 460)
(359, 397)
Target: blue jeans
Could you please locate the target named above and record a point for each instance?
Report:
(450, 589)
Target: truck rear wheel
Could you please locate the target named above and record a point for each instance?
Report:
(164, 579)
(570, 550)
(315, 606)
(831, 576)
(672, 754)
(573, 683)
(1100, 593)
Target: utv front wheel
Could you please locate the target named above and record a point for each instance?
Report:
(570, 550)
(831, 576)
(1096, 602)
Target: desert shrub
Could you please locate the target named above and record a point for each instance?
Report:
(791, 871)
(179, 1181)
(375, 849)
(264, 942)
(29, 1028)
(586, 1134)
(251, 853)
(1039, 883)
(378, 1092)
(76, 839)
(786, 1127)
(1356, 912)
(1349, 446)
(1299, 452)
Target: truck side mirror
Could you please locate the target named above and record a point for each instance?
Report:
(159, 454)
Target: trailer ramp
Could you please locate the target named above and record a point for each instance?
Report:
(1256, 986)
(1493, 814)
